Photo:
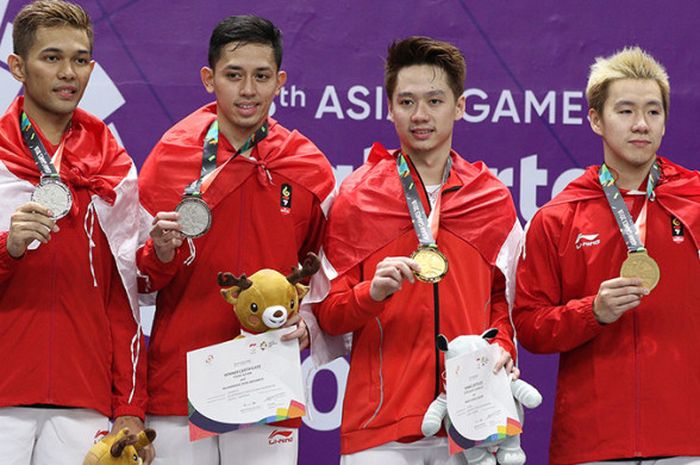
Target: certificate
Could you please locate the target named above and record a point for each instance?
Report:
(247, 381)
(479, 403)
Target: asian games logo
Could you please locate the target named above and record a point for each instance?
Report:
(102, 97)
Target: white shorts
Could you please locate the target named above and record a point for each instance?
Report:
(263, 445)
(668, 461)
(48, 436)
(428, 451)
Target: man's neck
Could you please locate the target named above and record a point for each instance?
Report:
(52, 126)
(236, 136)
(430, 167)
(630, 177)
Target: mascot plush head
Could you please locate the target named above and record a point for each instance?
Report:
(267, 299)
(120, 449)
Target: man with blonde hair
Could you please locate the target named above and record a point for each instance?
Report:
(67, 257)
(608, 279)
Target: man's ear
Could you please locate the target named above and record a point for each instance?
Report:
(460, 108)
(595, 119)
(207, 75)
(281, 81)
(16, 64)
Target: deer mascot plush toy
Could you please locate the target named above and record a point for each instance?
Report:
(120, 449)
(508, 449)
(267, 299)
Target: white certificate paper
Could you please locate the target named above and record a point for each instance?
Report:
(479, 403)
(243, 382)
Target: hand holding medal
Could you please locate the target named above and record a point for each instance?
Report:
(389, 276)
(30, 222)
(166, 235)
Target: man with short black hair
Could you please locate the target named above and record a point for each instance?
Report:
(226, 189)
(67, 271)
(396, 288)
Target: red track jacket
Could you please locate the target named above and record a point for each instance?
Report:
(250, 230)
(395, 367)
(67, 341)
(627, 389)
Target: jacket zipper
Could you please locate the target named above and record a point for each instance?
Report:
(52, 325)
(637, 387)
(436, 332)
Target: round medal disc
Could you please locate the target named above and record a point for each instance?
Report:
(641, 265)
(433, 264)
(54, 195)
(195, 216)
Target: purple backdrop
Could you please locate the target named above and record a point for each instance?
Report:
(527, 63)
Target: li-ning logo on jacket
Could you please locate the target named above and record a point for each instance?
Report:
(587, 240)
(280, 437)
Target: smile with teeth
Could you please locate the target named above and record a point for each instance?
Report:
(421, 132)
(66, 91)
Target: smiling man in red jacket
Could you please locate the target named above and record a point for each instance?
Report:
(68, 297)
(609, 279)
(395, 288)
(260, 204)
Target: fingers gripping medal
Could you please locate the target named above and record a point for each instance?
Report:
(641, 265)
(432, 262)
(54, 195)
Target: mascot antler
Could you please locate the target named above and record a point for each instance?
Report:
(228, 280)
(310, 266)
(119, 446)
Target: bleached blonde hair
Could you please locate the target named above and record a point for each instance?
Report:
(629, 63)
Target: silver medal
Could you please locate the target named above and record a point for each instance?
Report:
(54, 195)
(195, 216)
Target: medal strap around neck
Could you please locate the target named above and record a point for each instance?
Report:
(619, 208)
(211, 144)
(46, 164)
(426, 232)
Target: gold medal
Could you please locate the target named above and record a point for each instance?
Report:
(433, 263)
(641, 265)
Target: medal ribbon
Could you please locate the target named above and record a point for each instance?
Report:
(47, 166)
(211, 144)
(621, 212)
(426, 233)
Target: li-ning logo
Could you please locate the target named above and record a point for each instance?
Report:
(286, 199)
(99, 434)
(587, 240)
(280, 437)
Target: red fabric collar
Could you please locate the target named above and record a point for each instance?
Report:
(678, 191)
(371, 210)
(176, 161)
(91, 156)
